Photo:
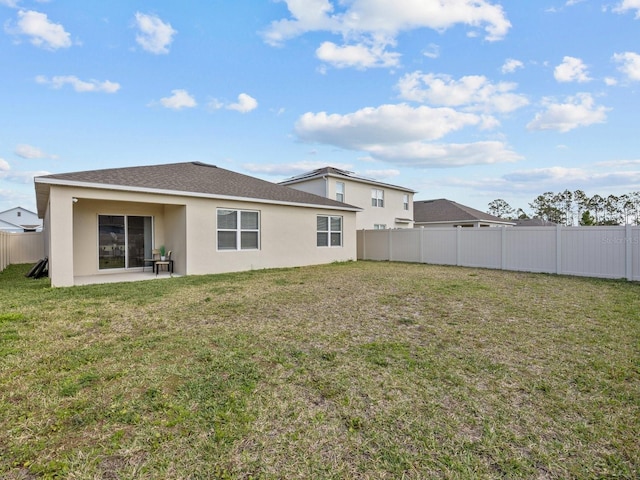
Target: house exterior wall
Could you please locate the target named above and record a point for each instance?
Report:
(61, 238)
(359, 194)
(317, 186)
(187, 226)
(287, 238)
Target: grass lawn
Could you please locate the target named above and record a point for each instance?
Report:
(353, 370)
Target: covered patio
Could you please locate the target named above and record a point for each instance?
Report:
(118, 277)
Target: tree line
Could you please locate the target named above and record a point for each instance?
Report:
(575, 208)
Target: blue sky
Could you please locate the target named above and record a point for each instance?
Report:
(470, 100)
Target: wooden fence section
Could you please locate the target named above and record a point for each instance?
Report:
(605, 252)
(20, 248)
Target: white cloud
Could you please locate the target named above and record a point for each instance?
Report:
(630, 64)
(245, 104)
(627, 5)
(474, 92)
(215, 104)
(31, 152)
(432, 51)
(571, 70)
(554, 178)
(430, 155)
(155, 35)
(555, 174)
(577, 111)
(387, 124)
(42, 31)
(79, 85)
(358, 56)
(562, 177)
(368, 27)
(618, 163)
(511, 65)
(381, 174)
(179, 100)
(21, 177)
(402, 134)
(9, 3)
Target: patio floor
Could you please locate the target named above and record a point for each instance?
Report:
(119, 277)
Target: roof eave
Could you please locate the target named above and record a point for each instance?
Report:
(346, 177)
(127, 188)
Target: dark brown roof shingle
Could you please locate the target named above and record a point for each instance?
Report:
(192, 178)
(443, 210)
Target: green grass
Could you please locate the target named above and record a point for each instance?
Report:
(351, 370)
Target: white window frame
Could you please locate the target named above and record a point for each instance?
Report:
(379, 226)
(340, 190)
(405, 201)
(377, 197)
(238, 230)
(330, 231)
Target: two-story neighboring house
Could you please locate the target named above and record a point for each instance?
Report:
(383, 205)
(19, 219)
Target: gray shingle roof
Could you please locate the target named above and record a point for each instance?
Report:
(190, 178)
(443, 210)
(336, 172)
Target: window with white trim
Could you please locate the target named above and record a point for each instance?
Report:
(340, 191)
(329, 231)
(379, 226)
(238, 229)
(405, 201)
(377, 197)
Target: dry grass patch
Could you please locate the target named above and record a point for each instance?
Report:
(355, 370)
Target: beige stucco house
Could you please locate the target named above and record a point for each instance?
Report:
(213, 220)
(382, 205)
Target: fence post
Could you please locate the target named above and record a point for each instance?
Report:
(458, 244)
(503, 248)
(628, 253)
(558, 249)
(421, 230)
(390, 246)
(4, 254)
(364, 244)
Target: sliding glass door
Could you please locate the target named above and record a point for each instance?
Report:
(138, 240)
(124, 241)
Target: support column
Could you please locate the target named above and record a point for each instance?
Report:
(60, 237)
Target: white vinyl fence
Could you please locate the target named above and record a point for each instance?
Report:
(20, 248)
(606, 252)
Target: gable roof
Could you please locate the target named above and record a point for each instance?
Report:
(18, 209)
(19, 218)
(447, 211)
(336, 172)
(190, 179)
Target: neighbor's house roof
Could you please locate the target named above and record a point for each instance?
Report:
(534, 222)
(447, 211)
(7, 225)
(337, 173)
(194, 179)
(10, 227)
